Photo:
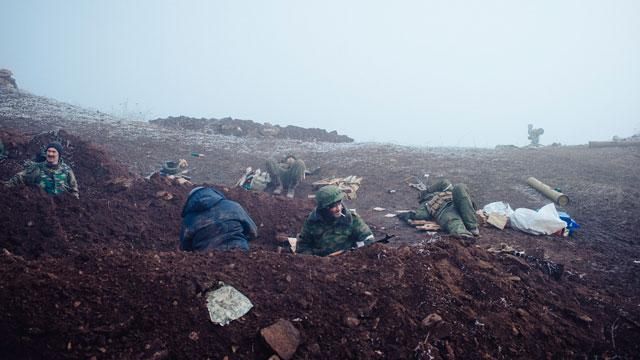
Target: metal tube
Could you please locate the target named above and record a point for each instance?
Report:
(557, 197)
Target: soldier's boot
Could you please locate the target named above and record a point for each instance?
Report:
(475, 231)
(456, 228)
(278, 190)
(290, 193)
(464, 235)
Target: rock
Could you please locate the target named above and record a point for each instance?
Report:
(450, 353)
(120, 183)
(314, 348)
(515, 331)
(160, 355)
(165, 195)
(194, 336)
(282, 237)
(351, 321)
(282, 337)
(431, 320)
(405, 251)
(585, 318)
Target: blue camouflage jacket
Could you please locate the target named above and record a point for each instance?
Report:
(211, 222)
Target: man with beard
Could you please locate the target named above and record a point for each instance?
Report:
(331, 227)
(52, 175)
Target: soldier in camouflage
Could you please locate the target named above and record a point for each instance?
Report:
(330, 227)
(287, 174)
(52, 175)
(450, 206)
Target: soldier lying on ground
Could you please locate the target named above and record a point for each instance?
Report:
(51, 175)
(450, 206)
(286, 174)
(330, 227)
(211, 222)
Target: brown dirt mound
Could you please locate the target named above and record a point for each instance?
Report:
(100, 277)
(250, 128)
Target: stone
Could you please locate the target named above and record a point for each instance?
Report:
(351, 321)
(431, 320)
(283, 337)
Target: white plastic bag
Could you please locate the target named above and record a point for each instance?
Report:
(498, 207)
(545, 221)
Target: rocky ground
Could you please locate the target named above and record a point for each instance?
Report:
(101, 277)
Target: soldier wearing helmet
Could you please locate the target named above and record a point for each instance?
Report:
(330, 227)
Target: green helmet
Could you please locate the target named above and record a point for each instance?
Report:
(170, 167)
(328, 195)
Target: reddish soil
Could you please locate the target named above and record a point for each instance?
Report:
(101, 277)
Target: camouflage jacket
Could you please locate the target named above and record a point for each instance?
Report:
(53, 180)
(436, 198)
(322, 237)
(211, 222)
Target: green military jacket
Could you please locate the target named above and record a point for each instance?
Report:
(435, 200)
(322, 237)
(53, 180)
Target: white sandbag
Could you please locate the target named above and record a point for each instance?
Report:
(545, 221)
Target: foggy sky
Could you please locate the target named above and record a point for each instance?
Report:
(436, 73)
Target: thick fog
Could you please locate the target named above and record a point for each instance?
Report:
(436, 73)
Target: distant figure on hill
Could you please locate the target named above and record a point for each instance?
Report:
(534, 135)
(330, 227)
(286, 174)
(211, 222)
(7, 82)
(51, 175)
(450, 206)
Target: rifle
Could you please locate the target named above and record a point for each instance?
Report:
(384, 240)
(415, 182)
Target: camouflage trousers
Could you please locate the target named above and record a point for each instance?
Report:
(289, 176)
(458, 216)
